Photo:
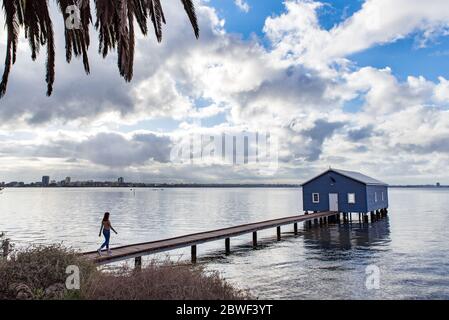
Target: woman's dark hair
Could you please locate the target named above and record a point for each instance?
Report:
(106, 216)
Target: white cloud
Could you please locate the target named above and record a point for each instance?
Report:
(297, 33)
(296, 89)
(242, 5)
(442, 91)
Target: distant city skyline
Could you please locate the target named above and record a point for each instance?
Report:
(120, 181)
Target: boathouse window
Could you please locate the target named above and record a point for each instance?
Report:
(375, 196)
(316, 197)
(351, 198)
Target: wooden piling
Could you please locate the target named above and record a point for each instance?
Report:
(228, 245)
(138, 263)
(193, 254)
(295, 228)
(308, 224)
(278, 229)
(255, 239)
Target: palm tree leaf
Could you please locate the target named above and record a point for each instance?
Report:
(105, 25)
(141, 13)
(32, 27)
(190, 9)
(48, 37)
(132, 42)
(77, 41)
(10, 7)
(157, 17)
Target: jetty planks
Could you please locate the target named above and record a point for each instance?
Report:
(141, 249)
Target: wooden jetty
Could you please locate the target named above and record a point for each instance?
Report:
(136, 251)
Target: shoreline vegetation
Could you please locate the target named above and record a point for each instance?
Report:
(40, 273)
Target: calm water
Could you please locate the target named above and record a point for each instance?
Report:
(411, 247)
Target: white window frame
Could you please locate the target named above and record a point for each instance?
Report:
(313, 197)
(375, 196)
(383, 199)
(353, 197)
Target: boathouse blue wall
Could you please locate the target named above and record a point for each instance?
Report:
(333, 182)
(371, 197)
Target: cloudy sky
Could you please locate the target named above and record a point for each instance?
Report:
(359, 85)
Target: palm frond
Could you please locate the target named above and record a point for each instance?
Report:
(190, 9)
(77, 41)
(157, 17)
(114, 24)
(105, 24)
(39, 31)
(47, 37)
(10, 8)
(141, 13)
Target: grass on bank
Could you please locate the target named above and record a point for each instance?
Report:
(39, 273)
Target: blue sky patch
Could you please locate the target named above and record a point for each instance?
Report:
(402, 56)
(354, 105)
(405, 59)
(244, 23)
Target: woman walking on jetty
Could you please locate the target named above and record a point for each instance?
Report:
(106, 227)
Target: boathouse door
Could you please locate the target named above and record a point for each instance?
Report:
(333, 201)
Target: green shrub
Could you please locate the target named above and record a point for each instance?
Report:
(39, 272)
(28, 273)
(167, 281)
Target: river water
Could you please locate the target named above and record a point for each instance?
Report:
(408, 252)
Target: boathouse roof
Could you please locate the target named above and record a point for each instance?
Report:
(357, 176)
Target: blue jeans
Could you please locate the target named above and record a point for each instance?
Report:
(107, 235)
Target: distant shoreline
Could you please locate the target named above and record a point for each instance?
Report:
(179, 186)
(165, 186)
(419, 187)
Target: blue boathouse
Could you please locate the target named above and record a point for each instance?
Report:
(344, 191)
